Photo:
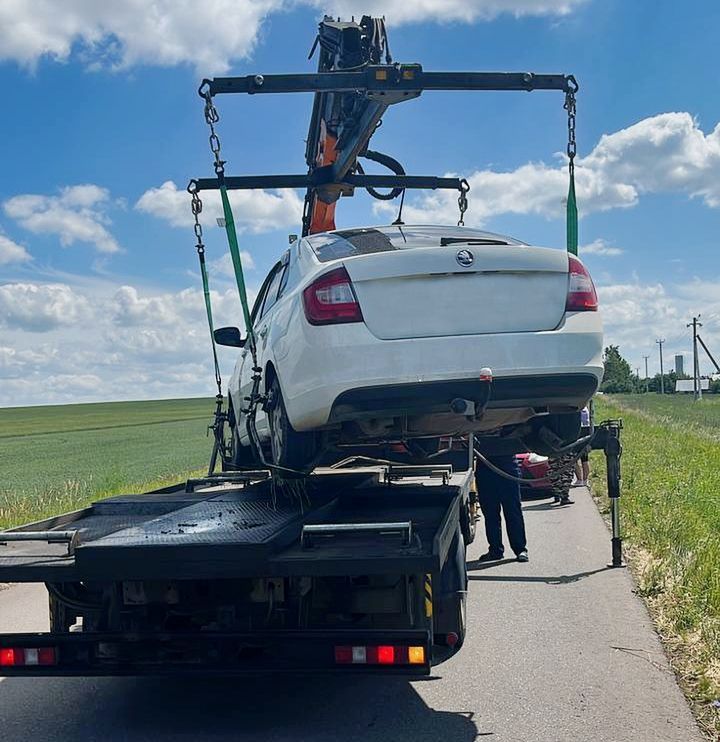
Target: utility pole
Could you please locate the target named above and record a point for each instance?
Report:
(647, 382)
(697, 387)
(662, 373)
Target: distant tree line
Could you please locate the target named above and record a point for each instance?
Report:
(619, 378)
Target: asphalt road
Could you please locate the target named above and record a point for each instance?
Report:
(558, 649)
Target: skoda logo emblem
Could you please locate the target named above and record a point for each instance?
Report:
(465, 258)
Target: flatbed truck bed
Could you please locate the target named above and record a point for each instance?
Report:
(350, 569)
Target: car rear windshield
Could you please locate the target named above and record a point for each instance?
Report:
(349, 242)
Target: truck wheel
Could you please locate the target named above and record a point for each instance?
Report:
(60, 617)
(289, 447)
(468, 523)
(451, 602)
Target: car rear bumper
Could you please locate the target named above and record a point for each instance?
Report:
(330, 373)
(556, 392)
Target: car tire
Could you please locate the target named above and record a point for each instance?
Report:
(289, 447)
(241, 457)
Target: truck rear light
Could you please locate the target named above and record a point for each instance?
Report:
(7, 658)
(22, 656)
(331, 300)
(384, 654)
(343, 655)
(581, 295)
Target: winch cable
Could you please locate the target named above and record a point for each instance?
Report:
(256, 398)
(572, 211)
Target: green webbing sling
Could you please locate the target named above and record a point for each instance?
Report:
(208, 309)
(237, 261)
(572, 217)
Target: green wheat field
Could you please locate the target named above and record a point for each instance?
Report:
(57, 458)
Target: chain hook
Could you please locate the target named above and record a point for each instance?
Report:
(463, 201)
(196, 207)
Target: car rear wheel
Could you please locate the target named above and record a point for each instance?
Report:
(289, 447)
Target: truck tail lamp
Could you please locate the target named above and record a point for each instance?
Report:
(581, 296)
(384, 654)
(27, 656)
(331, 300)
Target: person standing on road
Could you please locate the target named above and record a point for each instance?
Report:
(582, 465)
(496, 494)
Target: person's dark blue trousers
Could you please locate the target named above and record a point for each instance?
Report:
(496, 493)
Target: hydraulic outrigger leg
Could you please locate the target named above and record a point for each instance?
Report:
(607, 439)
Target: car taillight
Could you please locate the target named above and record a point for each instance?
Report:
(581, 296)
(330, 300)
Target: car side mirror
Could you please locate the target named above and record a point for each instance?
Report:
(229, 336)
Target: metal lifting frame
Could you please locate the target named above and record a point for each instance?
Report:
(377, 87)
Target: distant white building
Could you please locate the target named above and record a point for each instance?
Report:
(687, 385)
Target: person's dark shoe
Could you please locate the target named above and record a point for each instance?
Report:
(556, 498)
(565, 500)
(523, 556)
(491, 556)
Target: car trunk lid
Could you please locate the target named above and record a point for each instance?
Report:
(460, 289)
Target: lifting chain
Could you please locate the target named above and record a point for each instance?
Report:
(211, 118)
(462, 201)
(196, 206)
(571, 113)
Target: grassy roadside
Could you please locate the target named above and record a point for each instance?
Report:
(17, 508)
(671, 519)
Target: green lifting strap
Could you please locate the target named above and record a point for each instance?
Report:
(572, 217)
(237, 262)
(208, 309)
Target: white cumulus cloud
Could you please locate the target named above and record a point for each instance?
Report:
(254, 211)
(42, 307)
(208, 35)
(77, 214)
(668, 153)
(599, 247)
(467, 11)
(11, 252)
(133, 343)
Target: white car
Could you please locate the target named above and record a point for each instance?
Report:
(380, 335)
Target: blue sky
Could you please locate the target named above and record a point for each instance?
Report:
(99, 296)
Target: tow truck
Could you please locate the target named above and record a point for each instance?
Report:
(359, 566)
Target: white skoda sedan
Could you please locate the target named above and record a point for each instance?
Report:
(386, 335)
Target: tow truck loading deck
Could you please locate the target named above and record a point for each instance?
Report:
(356, 570)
